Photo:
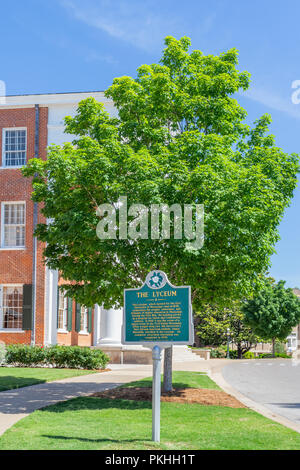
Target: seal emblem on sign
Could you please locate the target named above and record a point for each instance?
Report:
(156, 279)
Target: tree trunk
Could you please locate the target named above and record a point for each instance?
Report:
(167, 383)
(273, 347)
(239, 351)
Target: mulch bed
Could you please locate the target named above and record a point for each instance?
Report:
(202, 396)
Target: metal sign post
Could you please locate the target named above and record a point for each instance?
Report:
(156, 386)
(156, 316)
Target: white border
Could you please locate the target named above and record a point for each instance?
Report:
(7, 167)
(165, 344)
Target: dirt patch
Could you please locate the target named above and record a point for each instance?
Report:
(203, 396)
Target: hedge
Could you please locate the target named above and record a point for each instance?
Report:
(270, 355)
(71, 357)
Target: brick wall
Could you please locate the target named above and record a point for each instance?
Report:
(16, 265)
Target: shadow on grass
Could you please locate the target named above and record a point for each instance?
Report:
(176, 381)
(94, 404)
(11, 382)
(147, 383)
(85, 439)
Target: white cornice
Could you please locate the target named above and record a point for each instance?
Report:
(26, 101)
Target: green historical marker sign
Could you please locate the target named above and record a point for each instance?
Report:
(156, 316)
(157, 313)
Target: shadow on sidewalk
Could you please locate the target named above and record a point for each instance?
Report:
(31, 398)
(287, 405)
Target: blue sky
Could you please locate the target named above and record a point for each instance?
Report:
(76, 45)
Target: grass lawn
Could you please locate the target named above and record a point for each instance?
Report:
(97, 423)
(17, 377)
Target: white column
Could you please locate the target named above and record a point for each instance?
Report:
(97, 319)
(51, 307)
(110, 327)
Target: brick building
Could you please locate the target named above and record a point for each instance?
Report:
(32, 308)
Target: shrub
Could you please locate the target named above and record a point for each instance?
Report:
(221, 352)
(280, 348)
(233, 354)
(249, 355)
(217, 353)
(270, 355)
(71, 357)
(74, 357)
(24, 355)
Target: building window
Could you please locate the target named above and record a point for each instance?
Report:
(14, 147)
(84, 320)
(62, 311)
(292, 342)
(11, 307)
(13, 225)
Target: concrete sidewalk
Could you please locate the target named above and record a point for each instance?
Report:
(18, 403)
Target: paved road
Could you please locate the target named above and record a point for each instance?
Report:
(273, 383)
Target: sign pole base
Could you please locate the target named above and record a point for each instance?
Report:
(156, 391)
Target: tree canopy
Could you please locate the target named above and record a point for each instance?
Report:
(273, 312)
(215, 323)
(179, 137)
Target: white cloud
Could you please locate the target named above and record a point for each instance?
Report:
(136, 23)
(93, 56)
(274, 101)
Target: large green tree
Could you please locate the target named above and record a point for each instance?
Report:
(214, 323)
(180, 137)
(273, 312)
